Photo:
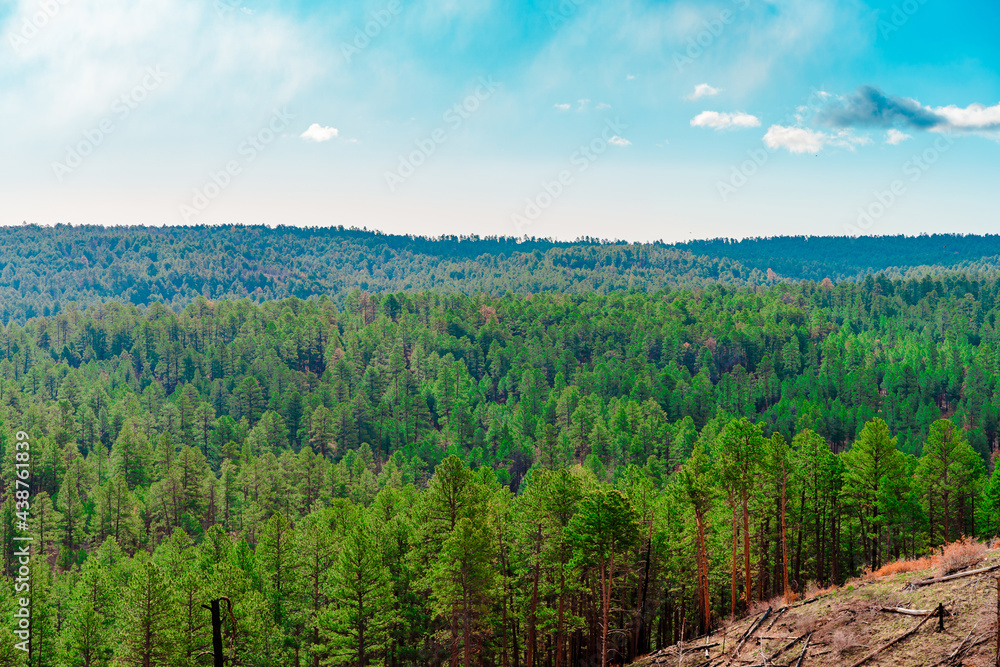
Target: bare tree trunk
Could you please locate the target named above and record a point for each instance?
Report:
(559, 622)
(702, 556)
(784, 530)
(530, 661)
(746, 548)
(732, 601)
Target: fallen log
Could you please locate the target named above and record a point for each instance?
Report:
(770, 660)
(908, 612)
(775, 619)
(785, 648)
(809, 601)
(895, 641)
(962, 650)
(746, 635)
(951, 577)
(802, 656)
(688, 649)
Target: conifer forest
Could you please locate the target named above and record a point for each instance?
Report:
(532, 455)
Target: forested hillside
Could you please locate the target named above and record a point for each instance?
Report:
(418, 478)
(43, 269)
(846, 257)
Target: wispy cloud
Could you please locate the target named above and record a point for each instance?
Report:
(894, 137)
(804, 140)
(561, 107)
(618, 141)
(73, 69)
(725, 121)
(703, 90)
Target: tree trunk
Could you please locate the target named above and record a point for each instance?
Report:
(784, 531)
(530, 661)
(702, 556)
(732, 601)
(746, 548)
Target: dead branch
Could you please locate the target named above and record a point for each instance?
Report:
(908, 612)
(809, 601)
(951, 577)
(802, 656)
(962, 648)
(961, 651)
(776, 617)
(752, 629)
(894, 641)
(786, 647)
(687, 649)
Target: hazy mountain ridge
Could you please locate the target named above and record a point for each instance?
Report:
(42, 269)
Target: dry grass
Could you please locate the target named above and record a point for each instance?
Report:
(806, 623)
(899, 566)
(814, 590)
(960, 555)
(844, 640)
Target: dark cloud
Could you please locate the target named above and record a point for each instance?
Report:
(870, 107)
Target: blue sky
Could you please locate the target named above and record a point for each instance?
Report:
(632, 119)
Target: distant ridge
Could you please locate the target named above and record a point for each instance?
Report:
(44, 269)
(846, 257)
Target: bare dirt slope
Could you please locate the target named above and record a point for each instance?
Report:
(849, 624)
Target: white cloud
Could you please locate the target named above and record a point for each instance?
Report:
(629, 77)
(318, 133)
(804, 140)
(603, 105)
(561, 107)
(703, 90)
(795, 139)
(724, 121)
(894, 137)
(974, 117)
(618, 141)
(583, 104)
